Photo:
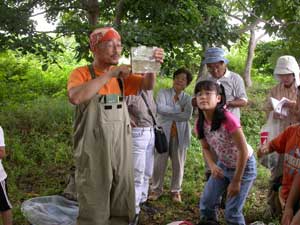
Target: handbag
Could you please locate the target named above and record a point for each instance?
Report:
(160, 140)
(161, 144)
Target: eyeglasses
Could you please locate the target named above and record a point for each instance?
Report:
(215, 67)
(110, 45)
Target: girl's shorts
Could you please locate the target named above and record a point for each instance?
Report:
(4, 202)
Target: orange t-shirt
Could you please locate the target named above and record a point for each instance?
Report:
(132, 84)
(288, 143)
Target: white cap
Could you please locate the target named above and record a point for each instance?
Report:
(287, 64)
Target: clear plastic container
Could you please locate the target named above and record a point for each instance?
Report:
(142, 60)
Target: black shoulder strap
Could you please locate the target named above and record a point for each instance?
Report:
(149, 110)
(92, 71)
(93, 75)
(120, 81)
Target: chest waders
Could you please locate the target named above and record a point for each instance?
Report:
(104, 173)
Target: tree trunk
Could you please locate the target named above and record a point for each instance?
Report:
(92, 7)
(119, 13)
(203, 69)
(250, 55)
(251, 48)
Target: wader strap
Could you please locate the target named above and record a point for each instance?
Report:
(121, 85)
(92, 71)
(120, 81)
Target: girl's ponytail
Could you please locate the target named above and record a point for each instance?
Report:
(219, 115)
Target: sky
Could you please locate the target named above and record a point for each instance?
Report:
(42, 24)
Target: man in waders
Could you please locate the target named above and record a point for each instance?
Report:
(102, 132)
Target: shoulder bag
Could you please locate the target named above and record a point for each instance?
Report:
(161, 144)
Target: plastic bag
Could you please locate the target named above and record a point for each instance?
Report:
(268, 132)
(50, 210)
(260, 223)
(180, 223)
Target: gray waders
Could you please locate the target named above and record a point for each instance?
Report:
(104, 172)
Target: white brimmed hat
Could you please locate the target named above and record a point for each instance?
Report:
(287, 64)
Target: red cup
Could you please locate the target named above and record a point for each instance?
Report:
(264, 137)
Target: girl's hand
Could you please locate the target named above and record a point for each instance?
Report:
(233, 188)
(287, 216)
(263, 150)
(217, 172)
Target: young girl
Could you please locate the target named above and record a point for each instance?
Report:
(235, 170)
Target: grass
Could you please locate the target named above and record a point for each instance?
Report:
(38, 139)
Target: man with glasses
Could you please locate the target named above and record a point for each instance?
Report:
(233, 84)
(102, 132)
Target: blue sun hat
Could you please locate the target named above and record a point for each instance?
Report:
(214, 55)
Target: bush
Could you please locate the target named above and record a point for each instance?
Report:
(22, 79)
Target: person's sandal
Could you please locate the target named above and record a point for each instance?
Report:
(154, 196)
(176, 197)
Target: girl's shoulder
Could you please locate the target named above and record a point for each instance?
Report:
(231, 123)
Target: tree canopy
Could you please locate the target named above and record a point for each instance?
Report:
(181, 27)
(184, 28)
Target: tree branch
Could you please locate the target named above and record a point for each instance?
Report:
(119, 13)
(57, 9)
(236, 17)
(250, 26)
(253, 14)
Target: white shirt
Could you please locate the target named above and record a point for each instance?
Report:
(3, 174)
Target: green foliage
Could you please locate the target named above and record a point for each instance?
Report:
(253, 116)
(38, 143)
(180, 27)
(237, 58)
(266, 55)
(189, 57)
(283, 20)
(21, 77)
